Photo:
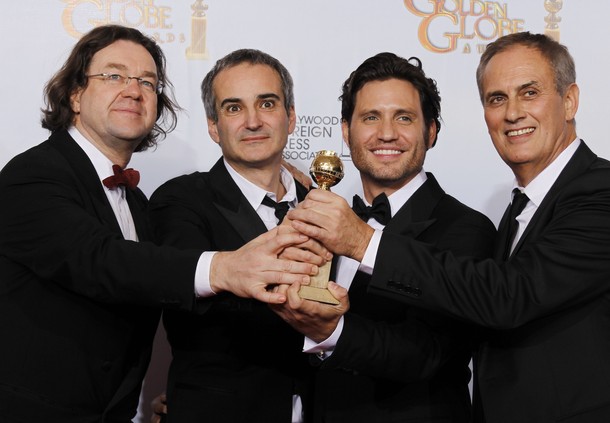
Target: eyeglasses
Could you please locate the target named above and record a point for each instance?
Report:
(115, 79)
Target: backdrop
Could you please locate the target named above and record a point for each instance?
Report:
(320, 42)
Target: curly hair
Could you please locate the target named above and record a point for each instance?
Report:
(58, 114)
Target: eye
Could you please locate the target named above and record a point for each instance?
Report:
(370, 118)
(268, 104)
(530, 93)
(115, 77)
(232, 108)
(147, 84)
(405, 118)
(495, 100)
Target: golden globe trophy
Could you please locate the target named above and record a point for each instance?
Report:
(198, 49)
(552, 19)
(327, 170)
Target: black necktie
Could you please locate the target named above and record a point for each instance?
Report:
(516, 207)
(126, 177)
(380, 210)
(281, 208)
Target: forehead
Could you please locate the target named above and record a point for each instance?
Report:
(125, 54)
(246, 79)
(388, 93)
(516, 66)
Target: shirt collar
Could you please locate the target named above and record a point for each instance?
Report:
(399, 197)
(101, 163)
(537, 189)
(255, 194)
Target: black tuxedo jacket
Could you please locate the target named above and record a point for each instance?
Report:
(546, 357)
(238, 362)
(394, 363)
(79, 305)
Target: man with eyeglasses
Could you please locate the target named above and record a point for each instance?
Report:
(81, 285)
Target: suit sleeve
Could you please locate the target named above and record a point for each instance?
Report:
(418, 346)
(564, 262)
(55, 230)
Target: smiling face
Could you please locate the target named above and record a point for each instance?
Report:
(388, 137)
(253, 126)
(528, 120)
(116, 118)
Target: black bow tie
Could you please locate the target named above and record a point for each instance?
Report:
(380, 210)
(126, 177)
(281, 208)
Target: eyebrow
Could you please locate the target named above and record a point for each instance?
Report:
(519, 88)
(122, 67)
(259, 97)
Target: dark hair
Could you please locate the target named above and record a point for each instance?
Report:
(58, 113)
(237, 57)
(384, 66)
(556, 54)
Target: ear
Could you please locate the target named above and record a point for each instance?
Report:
(345, 132)
(213, 131)
(570, 101)
(431, 135)
(75, 100)
(292, 120)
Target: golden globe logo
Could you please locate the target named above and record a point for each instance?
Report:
(79, 16)
(445, 22)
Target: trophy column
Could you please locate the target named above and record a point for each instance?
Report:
(326, 170)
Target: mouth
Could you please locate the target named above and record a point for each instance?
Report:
(128, 110)
(386, 152)
(519, 132)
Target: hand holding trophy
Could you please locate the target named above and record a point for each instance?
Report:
(326, 170)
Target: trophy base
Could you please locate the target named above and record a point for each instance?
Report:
(321, 295)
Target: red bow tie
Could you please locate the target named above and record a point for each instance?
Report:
(128, 178)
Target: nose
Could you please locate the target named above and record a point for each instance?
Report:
(387, 130)
(514, 110)
(132, 88)
(253, 121)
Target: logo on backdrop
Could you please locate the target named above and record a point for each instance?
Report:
(150, 16)
(313, 133)
(462, 25)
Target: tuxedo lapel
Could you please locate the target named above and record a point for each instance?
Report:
(233, 205)
(414, 216)
(500, 242)
(578, 164)
(87, 177)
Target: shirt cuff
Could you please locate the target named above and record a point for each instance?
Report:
(368, 261)
(203, 288)
(325, 348)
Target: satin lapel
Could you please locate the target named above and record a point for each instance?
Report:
(414, 216)
(233, 205)
(579, 163)
(500, 242)
(137, 206)
(86, 176)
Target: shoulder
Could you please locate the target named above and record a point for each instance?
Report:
(41, 159)
(187, 185)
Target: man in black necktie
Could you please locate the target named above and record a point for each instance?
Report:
(546, 308)
(383, 361)
(81, 283)
(238, 362)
